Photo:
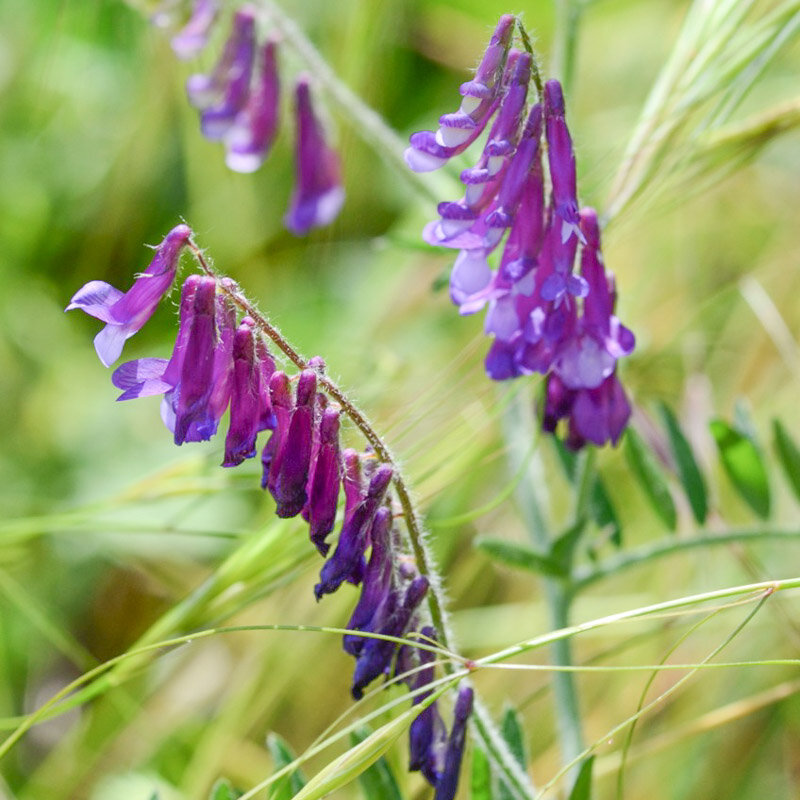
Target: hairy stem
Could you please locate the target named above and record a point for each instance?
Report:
(493, 743)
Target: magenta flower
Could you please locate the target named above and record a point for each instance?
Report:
(318, 194)
(125, 314)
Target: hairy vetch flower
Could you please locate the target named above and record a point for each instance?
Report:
(125, 314)
(250, 137)
(318, 194)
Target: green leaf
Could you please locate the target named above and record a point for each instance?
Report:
(744, 466)
(563, 546)
(788, 454)
(223, 790)
(650, 478)
(377, 781)
(689, 473)
(513, 554)
(511, 730)
(282, 754)
(582, 788)
(601, 510)
(481, 783)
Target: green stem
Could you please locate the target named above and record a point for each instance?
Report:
(518, 432)
(504, 761)
(671, 546)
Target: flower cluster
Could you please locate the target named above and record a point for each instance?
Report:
(543, 316)
(219, 364)
(239, 104)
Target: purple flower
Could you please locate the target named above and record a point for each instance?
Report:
(457, 131)
(291, 476)
(280, 396)
(353, 539)
(448, 781)
(377, 583)
(323, 482)
(562, 161)
(250, 403)
(217, 117)
(318, 194)
(193, 37)
(220, 95)
(195, 381)
(249, 139)
(597, 415)
(376, 654)
(124, 314)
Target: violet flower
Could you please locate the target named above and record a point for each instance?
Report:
(318, 194)
(250, 137)
(457, 131)
(282, 402)
(448, 781)
(353, 539)
(249, 394)
(193, 37)
(376, 585)
(195, 381)
(291, 476)
(124, 314)
(323, 482)
(376, 654)
(224, 91)
(562, 161)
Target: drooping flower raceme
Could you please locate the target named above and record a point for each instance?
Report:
(517, 248)
(220, 364)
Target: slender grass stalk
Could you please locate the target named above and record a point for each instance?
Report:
(652, 551)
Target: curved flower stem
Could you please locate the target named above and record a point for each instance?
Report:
(367, 123)
(518, 781)
(670, 546)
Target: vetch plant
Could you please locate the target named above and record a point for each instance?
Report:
(292, 526)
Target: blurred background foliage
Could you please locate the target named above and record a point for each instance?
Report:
(109, 530)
